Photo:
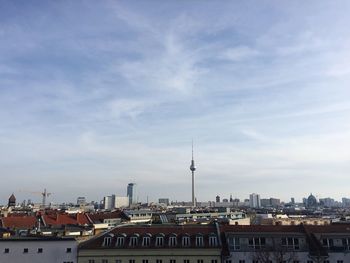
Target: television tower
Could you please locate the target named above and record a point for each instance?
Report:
(193, 168)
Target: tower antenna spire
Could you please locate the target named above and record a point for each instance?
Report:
(192, 149)
(193, 168)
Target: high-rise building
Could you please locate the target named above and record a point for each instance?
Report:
(81, 200)
(108, 202)
(217, 199)
(130, 193)
(292, 200)
(121, 201)
(345, 202)
(254, 200)
(163, 201)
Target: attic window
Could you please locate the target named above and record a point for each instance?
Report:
(172, 241)
(107, 241)
(199, 241)
(120, 241)
(159, 241)
(186, 241)
(133, 241)
(213, 241)
(146, 241)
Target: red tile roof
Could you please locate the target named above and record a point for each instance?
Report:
(19, 222)
(54, 219)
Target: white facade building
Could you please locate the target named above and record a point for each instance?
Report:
(38, 250)
(121, 201)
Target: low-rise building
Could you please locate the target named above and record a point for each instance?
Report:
(38, 250)
(154, 244)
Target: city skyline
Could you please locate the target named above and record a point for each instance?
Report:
(94, 96)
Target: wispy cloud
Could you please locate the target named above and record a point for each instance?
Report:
(118, 93)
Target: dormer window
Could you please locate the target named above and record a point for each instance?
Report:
(199, 241)
(172, 241)
(107, 241)
(213, 241)
(133, 241)
(160, 241)
(186, 241)
(120, 242)
(146, 241)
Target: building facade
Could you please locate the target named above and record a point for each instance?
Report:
(154, 244)
(38, 250)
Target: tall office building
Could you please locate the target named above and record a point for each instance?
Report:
(130, 193)
(254, 200)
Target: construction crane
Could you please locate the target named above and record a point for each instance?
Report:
(44, 195)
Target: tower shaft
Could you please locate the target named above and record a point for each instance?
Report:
(193, 168)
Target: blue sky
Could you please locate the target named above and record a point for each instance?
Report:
(97, 94)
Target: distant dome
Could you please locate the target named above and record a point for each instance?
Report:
(311, 201)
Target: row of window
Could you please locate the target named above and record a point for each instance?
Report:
(159, 241)
(329, 243)
(148, 261)
(260, 242)
(39, 250)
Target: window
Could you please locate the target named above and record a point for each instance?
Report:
(228, 261)
(310, 261)
(213, 241)
(339, 261)
(7, 250)
(255, 261)
(104, 260)
(199, 241)
(107, 241)
(257, 242)
(159, 241)
(326, 261)
(91, 261)
(296, 261)
(25, 250)
(146, 241)
(69, 250)
(172, 241)
(133, 242)
(234, 243)
(241, 261)
(118, 261)
(186, 241)
(159, 261)
(290, 243)
(40, 250)
(144, 260)
(214, 261)
(199, 260)
(172, 261)
(120, 241)
(131, 260)
(186, 261)
(346, 243)
(327, 242)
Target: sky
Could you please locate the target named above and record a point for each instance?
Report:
(97, 94)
